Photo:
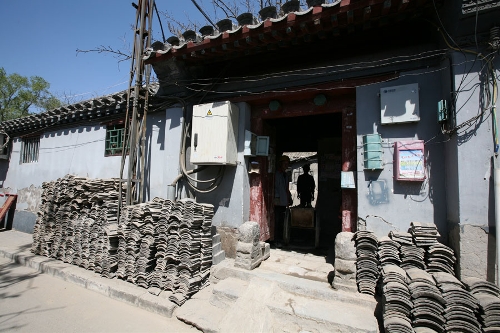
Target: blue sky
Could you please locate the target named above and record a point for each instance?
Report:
(41, 37)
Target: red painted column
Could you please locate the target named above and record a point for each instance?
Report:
(260, 210)
(349, 196)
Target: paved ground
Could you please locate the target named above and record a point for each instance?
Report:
(291, 291)
(35, 302)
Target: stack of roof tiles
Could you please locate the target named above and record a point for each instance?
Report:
(166, 245)
(487, 295)
(367, 270)
(411, 256)
(388, 251)
(424, 234)
(396, 301)
(403, 238)
(461, 306)
(77, 223)
(162, 245)
(428, 303)
(440, 258)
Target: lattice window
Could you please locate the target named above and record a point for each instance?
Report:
(114, 139)
(30, 148)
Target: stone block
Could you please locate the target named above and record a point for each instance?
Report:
(218, 258)
(156, 304)
(216, 238)
(266, 250)
(245, 261)
(256, 253)
(345, 266)
(249, 232)
(229, 238)
(216, 248)
(345, 277)
(244, 247)
(340, 285)
(344, 246)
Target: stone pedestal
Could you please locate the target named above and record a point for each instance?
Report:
(249, 252)
(345, 262)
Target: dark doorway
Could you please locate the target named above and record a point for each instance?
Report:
(313, 139)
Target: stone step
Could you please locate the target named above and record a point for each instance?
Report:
(261, 305)
(227, 291)
(292, 284)
(198, 312)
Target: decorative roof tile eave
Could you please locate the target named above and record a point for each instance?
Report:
(314, 21)
(102, 107)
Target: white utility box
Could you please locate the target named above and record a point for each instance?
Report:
(399, 104)
(214, 133)
(256, 145)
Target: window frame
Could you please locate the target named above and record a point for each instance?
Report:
(119, 138)
(30, 149)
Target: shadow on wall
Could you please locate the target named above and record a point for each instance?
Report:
(4, 167)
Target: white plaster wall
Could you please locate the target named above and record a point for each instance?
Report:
(475, 144)
(395, 204)
(78, 151)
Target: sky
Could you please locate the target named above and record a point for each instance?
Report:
(40, 38)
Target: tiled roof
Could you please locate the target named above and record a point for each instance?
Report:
(290, 29)
(91, 109)
(104, 107)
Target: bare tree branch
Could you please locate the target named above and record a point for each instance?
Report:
(107, 49)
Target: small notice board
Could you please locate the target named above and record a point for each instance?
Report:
(410, 160)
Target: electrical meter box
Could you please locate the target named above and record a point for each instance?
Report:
(399, 104)
(214, 134)
(372, 152)
(410, 160)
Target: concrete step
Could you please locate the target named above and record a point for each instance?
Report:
(198, 312)
(306, 266)
(227, 292)
(299, 313)
(261, 305)
(299, 286)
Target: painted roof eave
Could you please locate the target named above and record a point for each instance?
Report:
(316, 20)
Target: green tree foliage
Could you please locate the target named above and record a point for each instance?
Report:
(21, 96)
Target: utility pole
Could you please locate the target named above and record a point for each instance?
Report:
(135, 120)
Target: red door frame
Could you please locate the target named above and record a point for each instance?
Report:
(340, 98)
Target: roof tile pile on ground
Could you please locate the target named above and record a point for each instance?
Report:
(487, 295)
(396, 301)
(367, 270)
(388, 251)
(440, 258)
(428, 303)
(412, 257)
(424, 234)
(166, 245)
(159, 245)
(77, 223)
(461, 306)
(403, 238)
(479, 286)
